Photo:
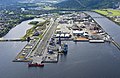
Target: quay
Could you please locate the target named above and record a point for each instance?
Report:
(21, 57)
(10, 40)
(96, 41)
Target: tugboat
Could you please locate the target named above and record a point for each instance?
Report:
(35, 65)
(64, 48)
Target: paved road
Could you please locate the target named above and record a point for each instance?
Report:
(43, 43)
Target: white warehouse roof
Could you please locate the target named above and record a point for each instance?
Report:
(78, 32)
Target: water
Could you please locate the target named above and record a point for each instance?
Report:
(21, 29)
(83, 60)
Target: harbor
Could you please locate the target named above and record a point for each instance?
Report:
(81, 57)
(76, 27)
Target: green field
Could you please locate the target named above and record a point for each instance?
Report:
(30, 31)
(108, 12)
(49, 8)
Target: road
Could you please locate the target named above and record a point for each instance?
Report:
(39, 51)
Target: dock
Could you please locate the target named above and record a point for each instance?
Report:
(96, 41)
(37, 60)
(81, 39)
(36, 50)
(11, 39)
(51, 58)
(21, 57)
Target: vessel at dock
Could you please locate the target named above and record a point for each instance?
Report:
(35, 65)
(64, 48)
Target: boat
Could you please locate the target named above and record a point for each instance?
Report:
(35, 65)
(64, 48)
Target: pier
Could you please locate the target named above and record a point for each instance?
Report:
(11, 39)
(35, 50)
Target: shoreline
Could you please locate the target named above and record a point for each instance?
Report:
(7, 31)
(111, 39)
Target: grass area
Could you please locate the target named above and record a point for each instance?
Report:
(33, 22)
(49, 8)
(101, 12)
(30, 31)
(115, 12)
(108, 12)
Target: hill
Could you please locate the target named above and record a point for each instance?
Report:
(28, 1)
(88, 4)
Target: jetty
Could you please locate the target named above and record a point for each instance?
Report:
(11, 39)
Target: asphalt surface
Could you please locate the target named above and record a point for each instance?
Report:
(44, 42)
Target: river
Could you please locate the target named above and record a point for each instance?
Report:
(83, 60)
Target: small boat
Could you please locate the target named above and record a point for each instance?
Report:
(35, 65)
